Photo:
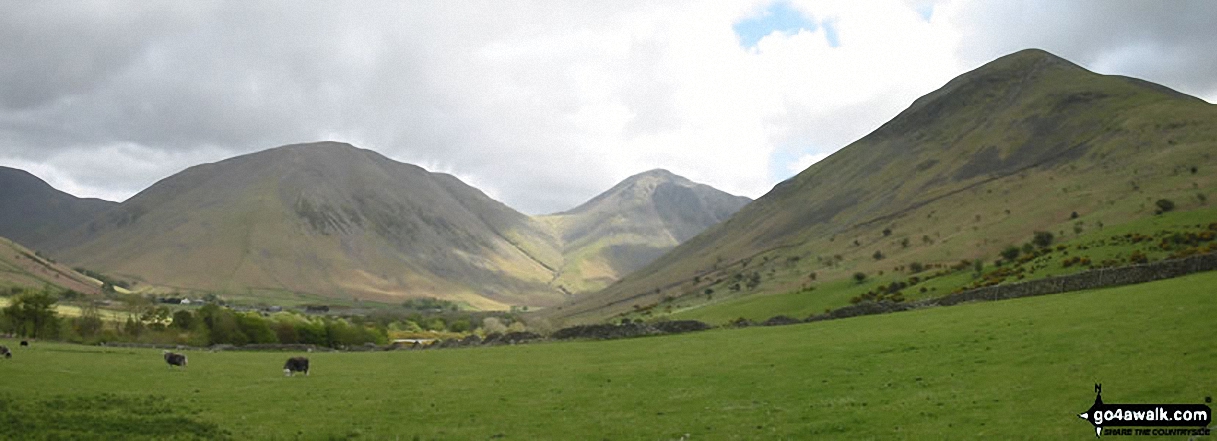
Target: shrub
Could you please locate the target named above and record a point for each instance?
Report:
(860, 277)
(1165, 205)
(1042, 239)
(1010, 253)
(878, 255)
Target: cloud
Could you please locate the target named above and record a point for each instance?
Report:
(540, 104)
(804, 161)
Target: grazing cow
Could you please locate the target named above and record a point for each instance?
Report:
(295, 364)
(175, 359)
(4, 351)
(24, 343)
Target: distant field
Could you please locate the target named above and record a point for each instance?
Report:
(1017, 369)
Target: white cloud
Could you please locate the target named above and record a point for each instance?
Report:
(804, 161)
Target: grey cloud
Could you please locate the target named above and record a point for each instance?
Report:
(451, 86)
(1168, 42)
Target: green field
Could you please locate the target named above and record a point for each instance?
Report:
(1017, 369)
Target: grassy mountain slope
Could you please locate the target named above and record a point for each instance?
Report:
(21, 267)
(323, 218)
(32, 212)
(1017, 145)
(633, 223)
(328, 219)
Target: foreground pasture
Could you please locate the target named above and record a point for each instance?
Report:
(1013, 369)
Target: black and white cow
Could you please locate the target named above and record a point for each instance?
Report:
(295, 364)
(174, 359)
(5, 352)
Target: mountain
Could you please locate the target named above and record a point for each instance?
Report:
(327, 219)
(32, 212)
(333, 220)
(21, 267)
(632, 224)
(1026, 142)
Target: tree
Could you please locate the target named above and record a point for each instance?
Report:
(156, 317)
(33, 315)
(183, 320)
(255, 328)
(1042, 239)
(223, 327)
(89, 323)
(285, 331)
(493, 325)
(435, 324)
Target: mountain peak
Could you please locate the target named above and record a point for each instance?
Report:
(34, 212)
(633, 223)
(658, 172)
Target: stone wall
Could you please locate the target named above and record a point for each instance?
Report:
(1092, 279)
(1097, 278)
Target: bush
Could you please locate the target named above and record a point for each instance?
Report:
(1010, 253)
(1165, 205)
(860, 277)
(1042, 239)
(878, 255)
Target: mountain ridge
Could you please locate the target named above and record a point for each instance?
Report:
(34, 212)
(328, 218)
(1025, 114)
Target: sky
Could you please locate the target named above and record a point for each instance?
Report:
(540, 104)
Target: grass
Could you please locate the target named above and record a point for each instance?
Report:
(1018, 369)
(1096, 244)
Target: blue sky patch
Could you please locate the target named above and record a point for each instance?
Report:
(926, 11)
(830, 33)
(778, 17)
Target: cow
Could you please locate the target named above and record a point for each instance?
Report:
(5, 352)
(295, 364)
(25, 343)
(174, 359)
